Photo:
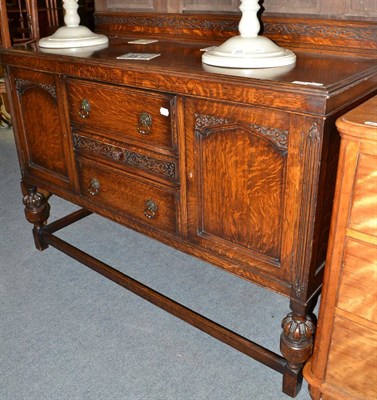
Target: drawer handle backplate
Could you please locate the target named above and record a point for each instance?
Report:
(94, 187)
(151, 209)
(145, 123)
(84, 109)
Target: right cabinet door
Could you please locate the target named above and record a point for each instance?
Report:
(239, 195)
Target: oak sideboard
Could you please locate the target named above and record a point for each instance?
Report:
(237, 168)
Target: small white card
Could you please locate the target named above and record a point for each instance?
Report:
(208, 48)
(138, 56)
(308, 83)
(143, 41)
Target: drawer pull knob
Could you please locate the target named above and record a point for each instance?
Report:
(151, 209)
(84, 109)
(94, 187)
(145, 123)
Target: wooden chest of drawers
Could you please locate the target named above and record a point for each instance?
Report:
(344, 361)
(237, 171)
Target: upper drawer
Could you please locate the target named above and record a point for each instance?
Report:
(123, 113)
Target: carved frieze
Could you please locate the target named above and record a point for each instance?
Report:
(22, 85)
(92, 146)
(204, 121)
(150, 164)
(125, 156)
(325, 31)
(204, 126)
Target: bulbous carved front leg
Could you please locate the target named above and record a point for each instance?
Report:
(296, 345)
(37, 211)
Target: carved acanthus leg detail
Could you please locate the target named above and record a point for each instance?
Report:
(37, 211)
(296, 345)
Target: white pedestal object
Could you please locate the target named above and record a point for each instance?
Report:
(83, 52)
(73, 34)
(256, 73)
(249, 50)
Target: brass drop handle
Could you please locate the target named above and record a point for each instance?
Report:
(145, 123)
(151, 209)
(94, 187)
(84, 109)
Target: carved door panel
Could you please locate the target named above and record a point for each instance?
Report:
(40, 125)
(237, 161)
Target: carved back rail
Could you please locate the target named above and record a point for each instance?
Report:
(335, 36)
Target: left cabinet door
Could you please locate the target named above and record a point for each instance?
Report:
(42, 128)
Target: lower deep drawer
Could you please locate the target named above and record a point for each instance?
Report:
(152, 205)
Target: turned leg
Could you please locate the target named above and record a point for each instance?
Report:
(37, 211)
(296, 345)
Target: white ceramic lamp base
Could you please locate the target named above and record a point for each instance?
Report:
(249, 50)
(67, 37)
(241, 52)
(72, 35)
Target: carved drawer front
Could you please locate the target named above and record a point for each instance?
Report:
(123, 114)
(153, 205)
(133, 159)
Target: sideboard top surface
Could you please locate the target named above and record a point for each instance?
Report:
(317, 84)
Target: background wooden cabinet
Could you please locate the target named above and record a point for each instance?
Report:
(343, 365)
(50, 17)
(341, 9)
